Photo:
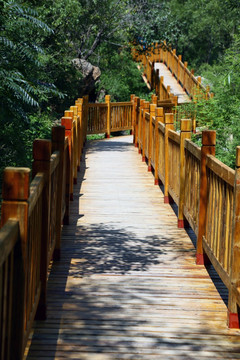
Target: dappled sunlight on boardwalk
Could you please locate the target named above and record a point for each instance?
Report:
(127, 286)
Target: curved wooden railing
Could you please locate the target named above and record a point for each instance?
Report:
(206, 191)
(161, 53)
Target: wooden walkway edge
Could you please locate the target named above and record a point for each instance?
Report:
(127, 286)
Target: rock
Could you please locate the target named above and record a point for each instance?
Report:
(87, 69)
(91, 75)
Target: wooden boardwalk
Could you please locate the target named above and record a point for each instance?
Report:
(169, 80)
(127, 286)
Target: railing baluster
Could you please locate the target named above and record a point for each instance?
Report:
(208, 147)
(145, 109)
(186, 128)
(42, 150)
(152, 114)
(168, 126)
(58, 142)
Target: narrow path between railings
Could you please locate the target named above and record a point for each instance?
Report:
(127, 286)
(169, 80)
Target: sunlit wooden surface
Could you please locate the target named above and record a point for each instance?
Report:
(169, 80)
(127, 286)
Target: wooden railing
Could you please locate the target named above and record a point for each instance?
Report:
(32, 217)
(206, 191)
(161, 53)
(109, 117)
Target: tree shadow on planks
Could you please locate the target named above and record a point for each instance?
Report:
(94, 312)
(109, 249)
(98, 146)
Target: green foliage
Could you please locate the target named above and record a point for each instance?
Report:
(120, 77)
(222, 112)
(95, 137)
(16, 139)
(20, 58)
(204, 29)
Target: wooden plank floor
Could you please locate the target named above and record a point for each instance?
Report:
(169, 80)
(127, 286)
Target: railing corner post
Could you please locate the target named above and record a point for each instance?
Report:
(42, 150)
(186, 128)
(208, 148)
(233, 315)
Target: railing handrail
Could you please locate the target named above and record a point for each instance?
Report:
(163, 53)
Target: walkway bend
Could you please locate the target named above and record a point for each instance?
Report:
(127, 286)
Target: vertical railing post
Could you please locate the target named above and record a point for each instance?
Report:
(186, 128)
(42, 150)
(136, 105)
(58, 140)
(154, 99)
(208, 148)
(168, 92)
(185, 75)
(161, 94)
(152, 75)
(140, 125)
(159, 116)
(145, 109)
(67, 122)
(171, 60)
(178, 67)
(79, 104)
(152, 114)
(67, 159)
(75, 143)
(15, 193)
(233, 316)
(132, 132)
(156, 52)
(108, 102)
(157, 86)
(76, 146)
(168, 126)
